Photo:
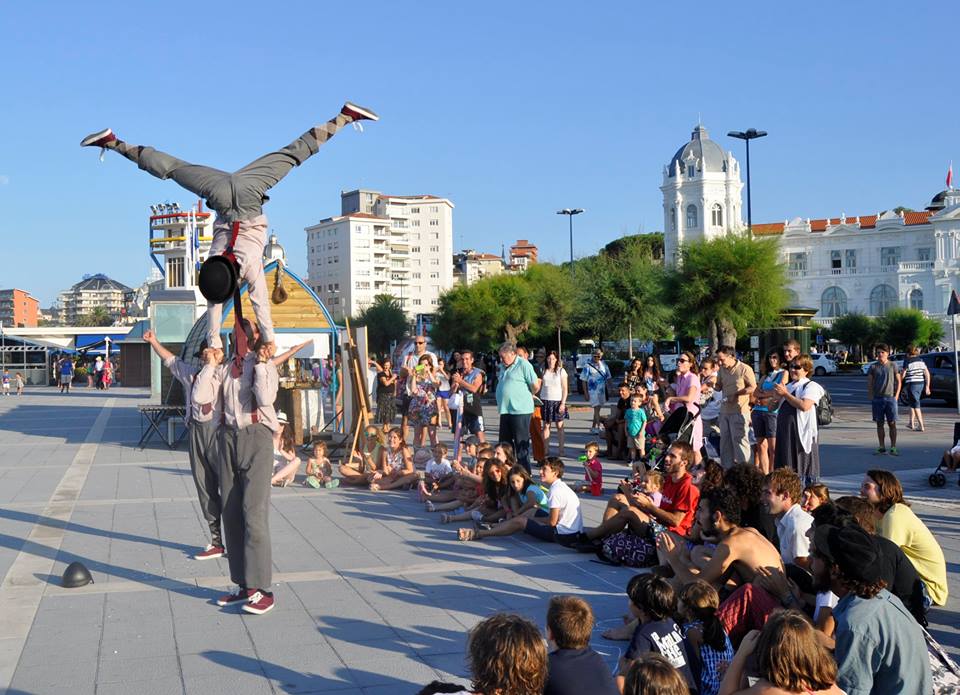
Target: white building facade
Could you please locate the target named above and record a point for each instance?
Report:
(379, 244)
(867, 264)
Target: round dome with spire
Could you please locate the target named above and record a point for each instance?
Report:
(273, 251)
(701, 151)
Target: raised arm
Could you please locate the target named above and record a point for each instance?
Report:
(280, 359)
(161, 351)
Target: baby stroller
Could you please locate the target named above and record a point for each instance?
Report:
(938, 479)
(678, 427)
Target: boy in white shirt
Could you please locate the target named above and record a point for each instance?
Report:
(439, 472)
(781, 496)
(565, 522)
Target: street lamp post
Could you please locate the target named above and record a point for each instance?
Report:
(570, 213)
(751, 134)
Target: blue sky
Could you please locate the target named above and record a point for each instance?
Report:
(511, 109)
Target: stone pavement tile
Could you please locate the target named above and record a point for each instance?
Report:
(160, 686)
(304, 667)
(145, 644)
(73, 674)
(230, 683)
(214, 661)
(228, 638)
(367, 652)
(121, 670)
(449, 667)
(403, 675)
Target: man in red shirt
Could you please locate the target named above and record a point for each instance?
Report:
(638, 511)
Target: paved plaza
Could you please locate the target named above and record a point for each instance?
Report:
(373, 594)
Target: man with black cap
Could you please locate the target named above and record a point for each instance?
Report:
(203, 415)
(880, 648)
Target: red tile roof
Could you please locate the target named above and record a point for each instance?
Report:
(820, 225)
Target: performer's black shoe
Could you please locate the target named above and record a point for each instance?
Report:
(99, 139)
(358, 113)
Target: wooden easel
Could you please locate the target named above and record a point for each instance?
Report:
(359, 388)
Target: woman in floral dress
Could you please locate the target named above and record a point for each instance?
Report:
(423, 383)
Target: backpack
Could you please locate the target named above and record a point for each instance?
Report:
(825, 410)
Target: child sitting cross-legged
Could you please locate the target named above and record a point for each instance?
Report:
(526, 499)
(653, 602)
(438, 475)
(565, 522)
(319, 468)
(573, 667)
(592, 470)
(467, 486)
(493, 503)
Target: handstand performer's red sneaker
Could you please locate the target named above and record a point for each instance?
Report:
(358, 113)
(99, 139)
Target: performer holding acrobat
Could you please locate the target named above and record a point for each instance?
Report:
(238, 200)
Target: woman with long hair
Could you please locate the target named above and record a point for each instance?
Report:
(386, 393)
(423, 382)
(396, 465)
(789, 657)
(686, 390)
(286, 463)
(764, 414)
(553, 392)
(525, 499)
(899, 524)
(634, 374)
(443, 393)
(653, 375)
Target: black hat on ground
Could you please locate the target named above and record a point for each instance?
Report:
(218, 279)
(76, 575)
(851, 549)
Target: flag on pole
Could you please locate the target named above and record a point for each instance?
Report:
(950, 176)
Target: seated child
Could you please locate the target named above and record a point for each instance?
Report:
(951, 457)
(526, 499)
(439, 473)
(491, 502)
(708, 642)
(319, 468)
(651, 674)
(636, 424)
(814, 496)
(592, 470)
(653, 602)
(467, 455)
(650, 483)
(565, 522)
(286, 463)
(573, 667)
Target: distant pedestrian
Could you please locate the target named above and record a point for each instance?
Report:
(18, 380)
(595, 375)
(98, 372)
(916, 380)
(65, 373)
(5, 380)
(516, 385)
(884, 382)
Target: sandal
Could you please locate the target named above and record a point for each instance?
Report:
(467, 534)
(445, 518)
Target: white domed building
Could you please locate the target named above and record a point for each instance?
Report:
(850, 263)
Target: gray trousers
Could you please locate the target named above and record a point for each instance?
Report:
(205, 464)
(245, 471)
(734, 439)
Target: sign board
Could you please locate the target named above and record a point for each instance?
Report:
(819, 338)
(701, 342)
(754, 342)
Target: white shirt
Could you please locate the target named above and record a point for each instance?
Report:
(825, 599)
(792, 529)
(806, 390)
(439, 469)
(563, 498)
(552, 389)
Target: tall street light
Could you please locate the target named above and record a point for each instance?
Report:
(751, 134)
(570, 213)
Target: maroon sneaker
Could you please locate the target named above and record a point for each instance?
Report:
(211, 552)
(99, 139)
(260, 602)
(358, 113)
(242, 596)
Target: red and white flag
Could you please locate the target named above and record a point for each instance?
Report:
(950, 176)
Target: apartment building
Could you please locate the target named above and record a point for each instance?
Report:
(91, 293)
(382, 244)
(18, 309)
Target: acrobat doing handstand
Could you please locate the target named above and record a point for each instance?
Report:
(240, 227)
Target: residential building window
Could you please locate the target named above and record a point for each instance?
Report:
(797, 262)
(414, 249)
(889, 258)
(434, 235)
(416, 276)
(925, 254)
(416, 302)
(434, 208)
(850, 258)
(691, 217)
(434, 249)
(883, 298)
(916, 299)
(414, 223)
(434, 223)
(434, 261)
(716, 215)
(836, 262)
(415, 211)
(434, 276)
(833, 302)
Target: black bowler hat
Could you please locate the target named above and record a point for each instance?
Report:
(218, 279)
(76, 575)
(851, 549)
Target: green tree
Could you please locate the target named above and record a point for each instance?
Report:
(98, 317)
(904, 327)
(385, 322)
(554, 300)
(467, 317)
(514, 298)
(856, 330)
(727, 284)
(931, 333)
(650, 245)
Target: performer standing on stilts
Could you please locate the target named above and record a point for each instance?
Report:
(238, 200)
(204, 412)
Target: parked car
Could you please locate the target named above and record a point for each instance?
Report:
(823, 364)
(896, 358)
(942, 376)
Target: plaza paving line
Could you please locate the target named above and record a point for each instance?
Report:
(22, 589)
(580, 562)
